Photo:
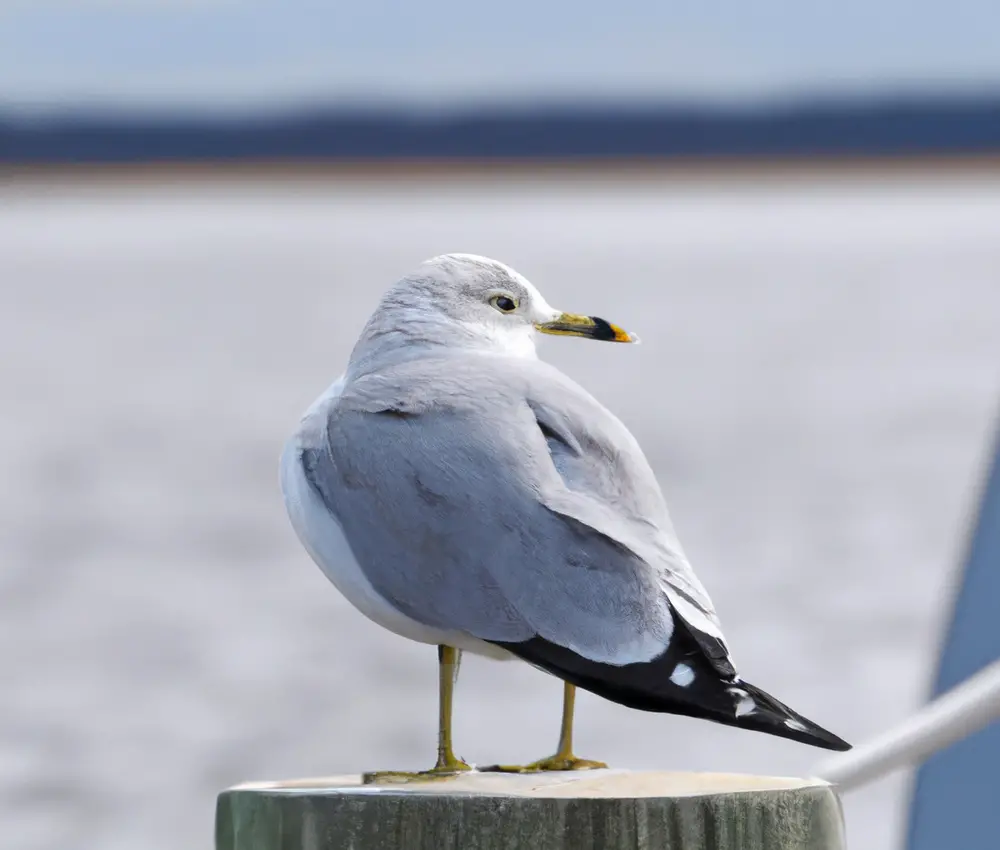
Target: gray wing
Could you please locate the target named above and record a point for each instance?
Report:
(609, 485)
(522, 508)
(607, 481)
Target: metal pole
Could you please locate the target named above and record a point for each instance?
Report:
(962, 711)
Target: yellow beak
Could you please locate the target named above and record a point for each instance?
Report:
(591, 327)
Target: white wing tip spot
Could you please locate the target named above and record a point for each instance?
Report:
(682, 676)
(746, 704)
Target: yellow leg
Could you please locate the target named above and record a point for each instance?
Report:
(564, 758)
(448, 660)
(447, 763)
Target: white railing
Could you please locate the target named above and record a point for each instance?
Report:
(960, 712)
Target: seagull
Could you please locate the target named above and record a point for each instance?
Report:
(462, 493)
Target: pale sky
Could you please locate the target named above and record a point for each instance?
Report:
(276, 53)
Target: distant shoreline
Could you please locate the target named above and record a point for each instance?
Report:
(624, 169)
(585, 134)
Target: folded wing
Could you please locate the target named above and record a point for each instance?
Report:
(527, 516)
(524, 510)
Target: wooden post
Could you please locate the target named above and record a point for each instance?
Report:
(593, 810)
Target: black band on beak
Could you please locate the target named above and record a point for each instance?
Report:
(604, 331)
(590, 327)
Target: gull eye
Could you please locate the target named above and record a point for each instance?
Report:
(504, 303)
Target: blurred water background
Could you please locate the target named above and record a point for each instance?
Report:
(816, 391)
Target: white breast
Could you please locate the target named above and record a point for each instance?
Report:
(323, 537)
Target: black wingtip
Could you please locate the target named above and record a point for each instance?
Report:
(704, 693)
(775, 718)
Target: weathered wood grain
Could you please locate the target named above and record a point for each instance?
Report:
(597, 810)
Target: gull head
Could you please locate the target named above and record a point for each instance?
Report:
(468, 301)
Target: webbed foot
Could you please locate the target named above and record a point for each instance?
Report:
(454, 767)
(556, 762)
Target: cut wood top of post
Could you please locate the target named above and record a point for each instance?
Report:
(592, 783)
